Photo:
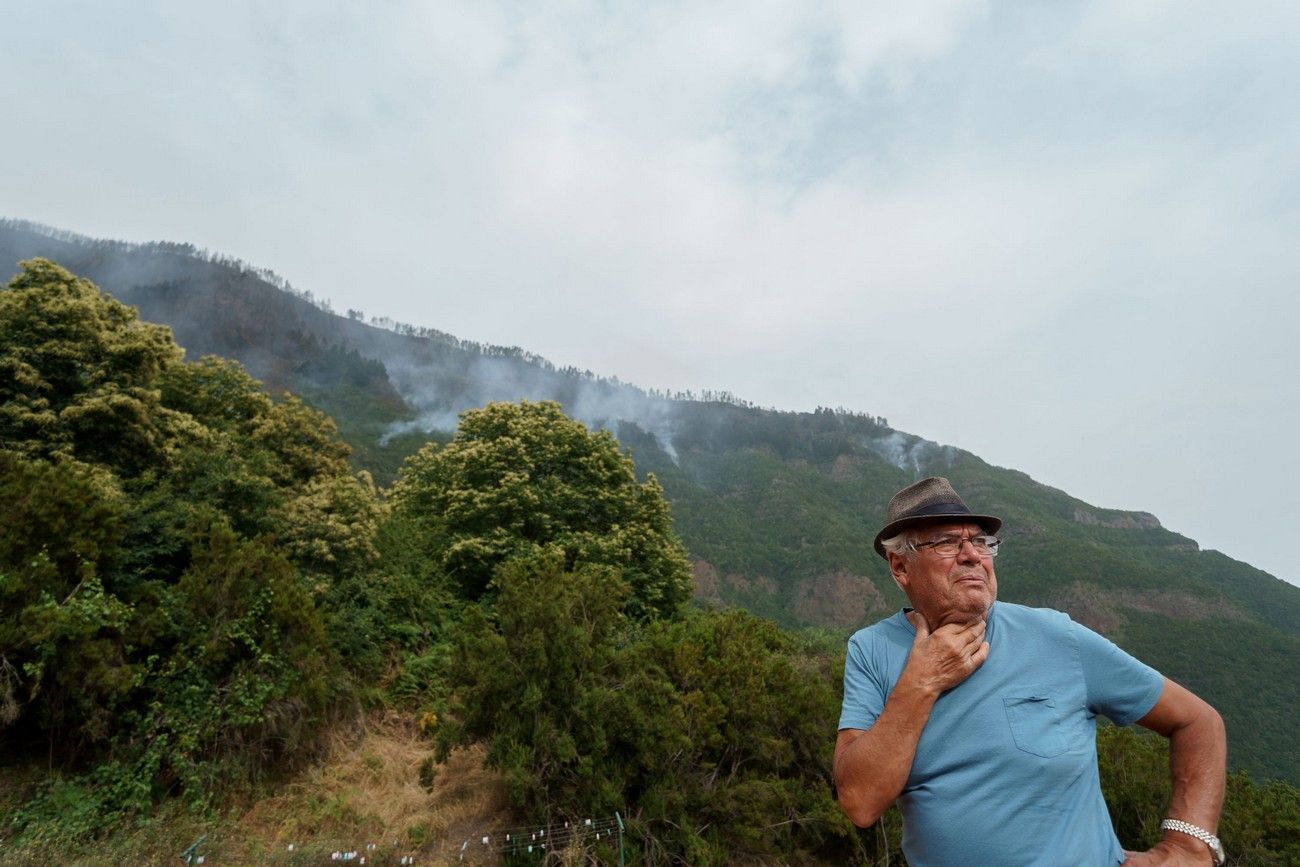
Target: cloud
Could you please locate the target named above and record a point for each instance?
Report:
(1059, 236)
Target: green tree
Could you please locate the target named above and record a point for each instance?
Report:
(540, 684)
(78, 371)
(60, 634)
(179, 547)
(248, 669)
(753, 781)
(709, 732)
(1260, 822)
(520, 478)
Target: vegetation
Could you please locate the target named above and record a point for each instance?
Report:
(518, 479)
(179, 544)
(710, 732)
(198, 588)
(775, 508)
(1260, 823)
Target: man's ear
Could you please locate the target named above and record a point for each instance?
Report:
(898, 570)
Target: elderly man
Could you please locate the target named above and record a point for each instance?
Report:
(980, 718)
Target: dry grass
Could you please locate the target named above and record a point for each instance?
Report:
(368, 790)
(365, 789)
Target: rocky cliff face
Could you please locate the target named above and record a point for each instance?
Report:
(1116, 520)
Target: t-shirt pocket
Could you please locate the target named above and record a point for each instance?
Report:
(1035, 725)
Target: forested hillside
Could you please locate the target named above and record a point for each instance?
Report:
(195, 584)
(776, 509)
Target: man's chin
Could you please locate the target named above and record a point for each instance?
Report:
(977, 602)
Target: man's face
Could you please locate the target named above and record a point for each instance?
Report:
(950, 589)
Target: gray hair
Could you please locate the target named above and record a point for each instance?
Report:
(901, 543)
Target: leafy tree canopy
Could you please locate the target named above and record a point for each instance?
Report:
(181, 554)
(78, 371)
(518, 478)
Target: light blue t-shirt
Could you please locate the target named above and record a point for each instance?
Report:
(1006, 769)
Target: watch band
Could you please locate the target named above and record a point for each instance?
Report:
(1216, 848)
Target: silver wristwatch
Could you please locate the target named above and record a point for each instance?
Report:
(1216, 848)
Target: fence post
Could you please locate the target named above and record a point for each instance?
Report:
(620, 838)
(191, 855)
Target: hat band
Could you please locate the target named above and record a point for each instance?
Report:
(937, 509)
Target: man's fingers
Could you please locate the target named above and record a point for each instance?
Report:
(981, 653)
(922, 628)
(972, 634)
(960, 630)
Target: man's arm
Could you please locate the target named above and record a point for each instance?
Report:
(871, 766)
(1198, 750)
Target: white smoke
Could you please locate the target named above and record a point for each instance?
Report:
(912, 453)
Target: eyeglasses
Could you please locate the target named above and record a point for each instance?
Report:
(948, 546)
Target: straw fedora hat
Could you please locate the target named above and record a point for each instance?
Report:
(928, 500)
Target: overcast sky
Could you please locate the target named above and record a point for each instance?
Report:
(1062, 236)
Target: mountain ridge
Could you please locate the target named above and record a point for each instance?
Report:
(777, 508)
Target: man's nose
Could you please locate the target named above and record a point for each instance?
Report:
(966, 552)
